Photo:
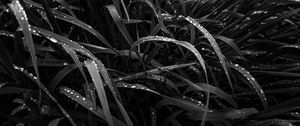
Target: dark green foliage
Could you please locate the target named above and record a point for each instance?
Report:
(149, 62)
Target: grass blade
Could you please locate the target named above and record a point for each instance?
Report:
(181, 43)
(21, 16)
(213, 43)
(254, 84)
(93, 70)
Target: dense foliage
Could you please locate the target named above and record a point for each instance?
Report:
(149, 62)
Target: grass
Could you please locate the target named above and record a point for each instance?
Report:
(149, 62)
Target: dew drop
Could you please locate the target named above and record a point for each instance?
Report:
(53, 40)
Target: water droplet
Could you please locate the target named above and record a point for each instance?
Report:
(53, 40)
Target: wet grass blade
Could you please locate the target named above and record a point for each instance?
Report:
(254, 84)
(43, 87)
(185, 44)
(136, 86)
(86, 103)
(73, 20)
(213, 43)
(21, 16)
(93, 70)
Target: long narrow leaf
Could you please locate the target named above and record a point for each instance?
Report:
(26, 29)
(213, 43)
(252, 81)
(93, 70)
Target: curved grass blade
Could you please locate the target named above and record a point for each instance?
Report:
(254, 84)
(86, 103)
(21, 16)
(43, 87)
(213, 43)
(93, 70)
(181, 43)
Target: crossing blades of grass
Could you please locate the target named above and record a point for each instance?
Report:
(213, 43)
(181, 43)
(55, 38)
(73, 20)
(206, 88)
(43, 87)
(21, 16)
(93, 70)
(86, 103)
(254, 84)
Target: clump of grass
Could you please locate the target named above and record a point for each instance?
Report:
(158, 63)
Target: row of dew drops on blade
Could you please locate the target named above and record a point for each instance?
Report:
(251, 79)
